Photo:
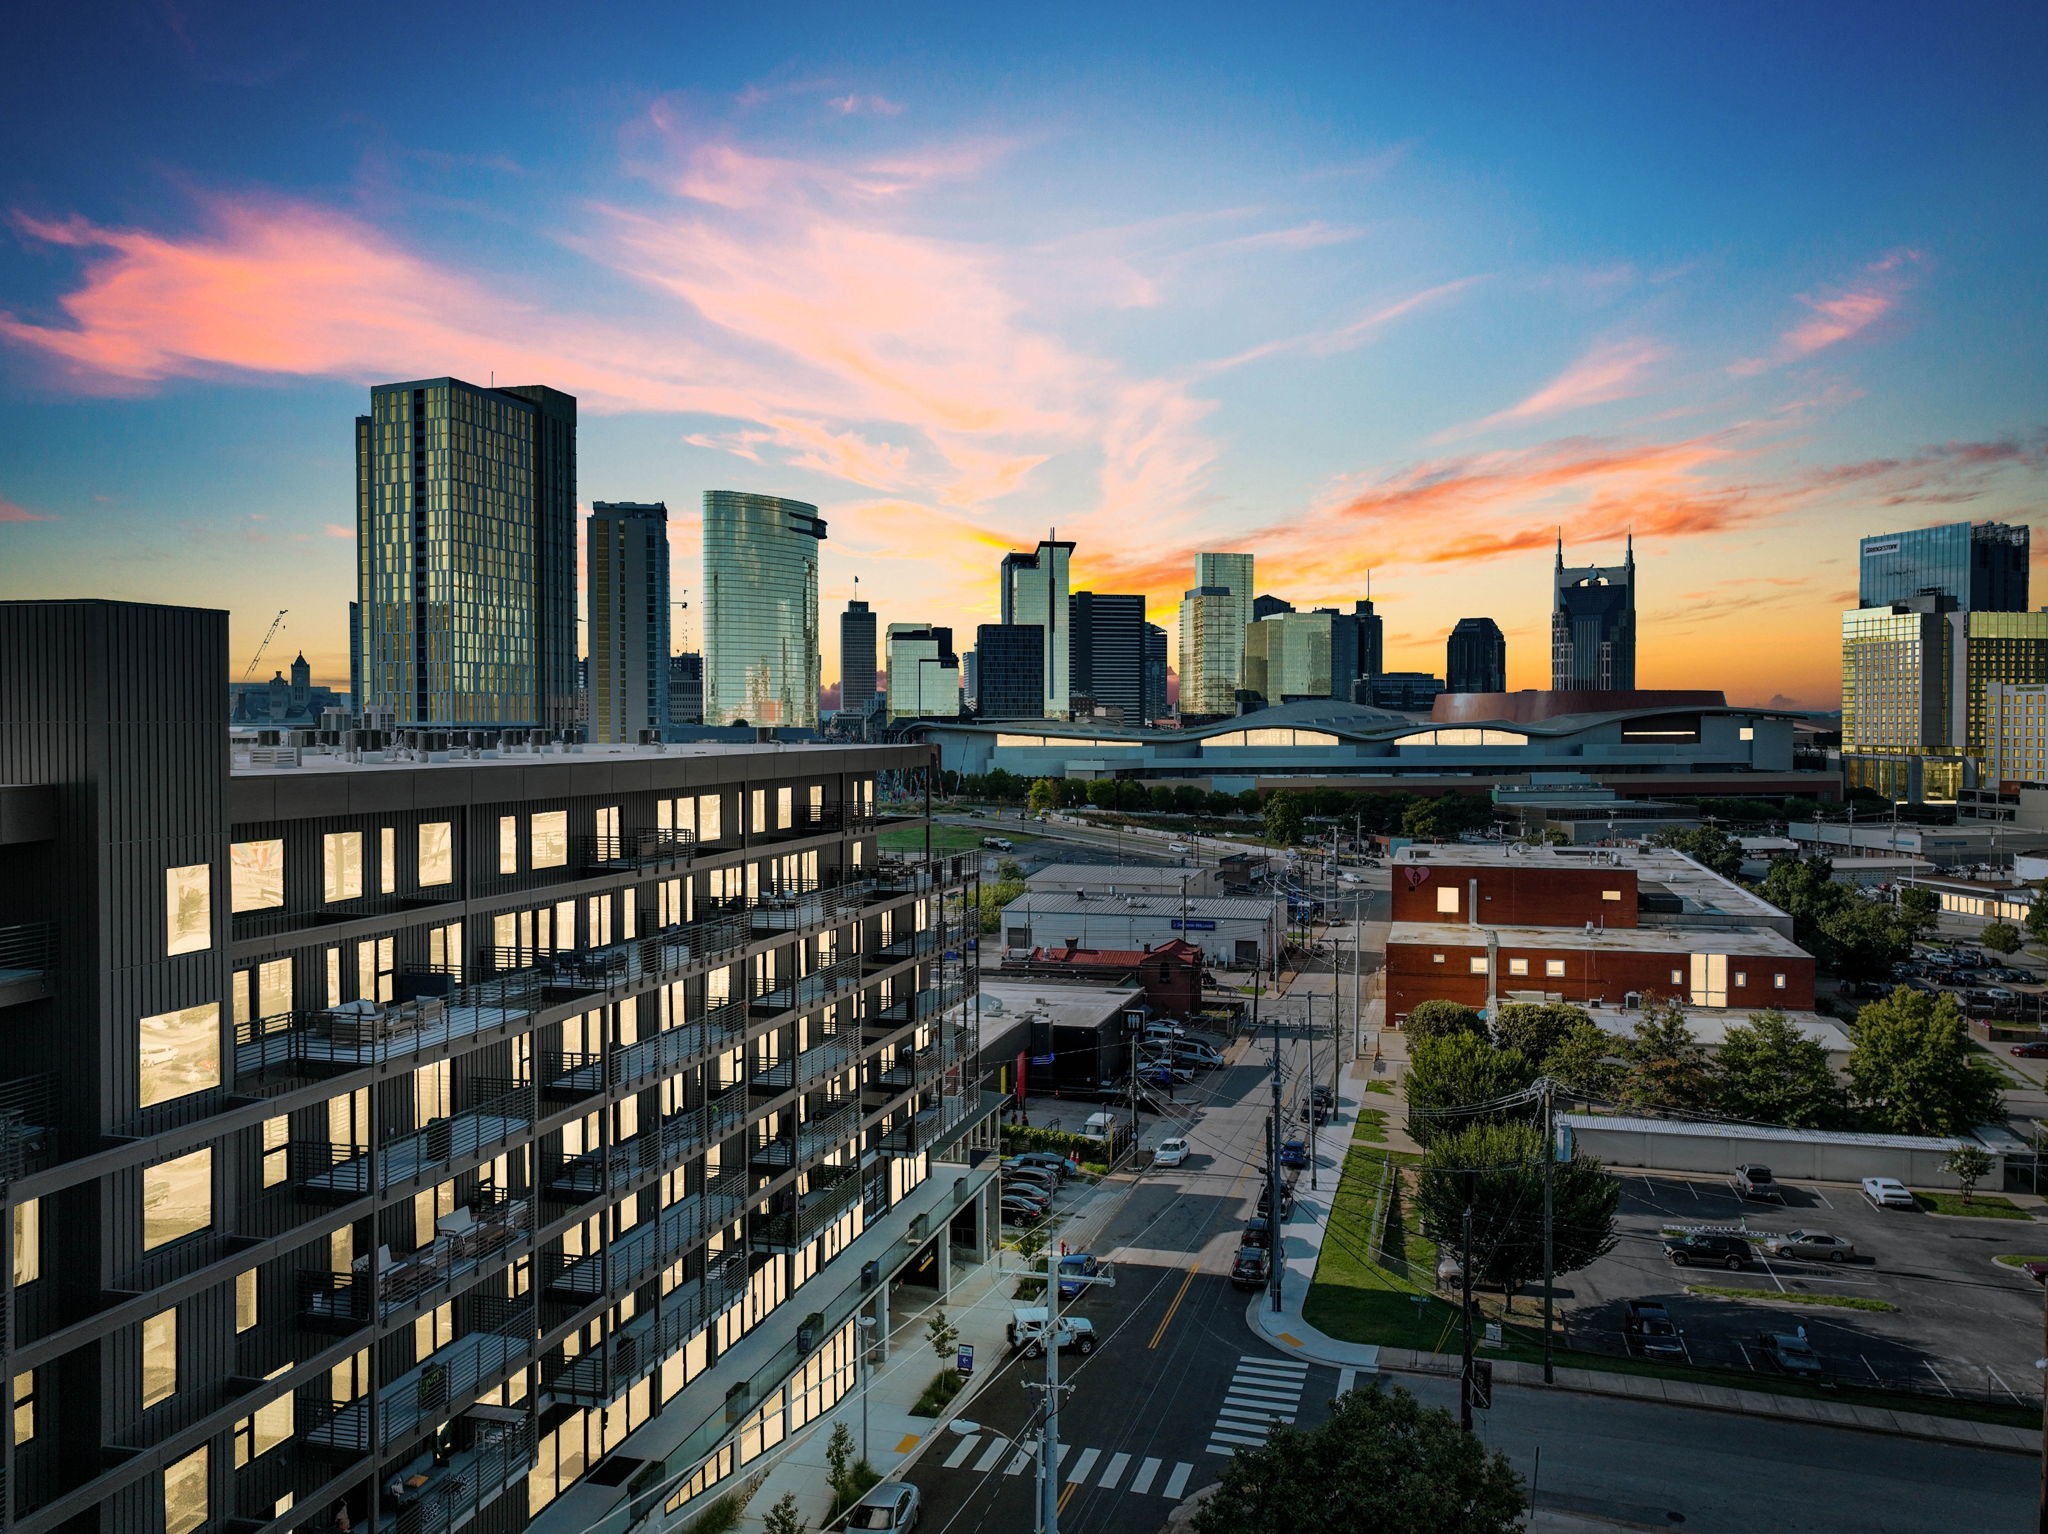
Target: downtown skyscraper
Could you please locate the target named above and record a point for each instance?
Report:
(1034, 593)
(761, 660)
(1213, 617)
(1593, 625)
(626, 605)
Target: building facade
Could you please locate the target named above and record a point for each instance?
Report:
(761, 657)
(924, 672)
(466, 555)
(1034, 595)
(1476, 657)
(1107, 660)
(1213, 617)
(856, 658)
(389, 1141)
(686, 688)
(1593, 625)
(1008, 677)
(1355, 648)
(2016, 733)
(1287, 657)
(626, 610)
(1156, 705)
(1983, 566)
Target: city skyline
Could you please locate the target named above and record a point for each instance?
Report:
(1344, 321)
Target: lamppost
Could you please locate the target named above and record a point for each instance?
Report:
(866, 1327)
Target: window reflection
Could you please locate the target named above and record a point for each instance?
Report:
(188, 909)
(159, 1357)
(177, 1199)
(437, 852)
(185, 1504)
(28, 1241)
(341, 864)
(551, 839)
(180, 1053)
(256, 876)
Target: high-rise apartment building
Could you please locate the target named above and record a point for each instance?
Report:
(1287, 656)
(626, 610)
(1476, 657)
(924, 672)
(761, 659)
(1107, 660)
(1983, 566)
(856, 659)
(686, 688)
(1354, 647)
(1593, 625)
(1009, 677)
(1156, 705)
(394, 1147)
(466, 554)
(1034, 594)
(1213, 617)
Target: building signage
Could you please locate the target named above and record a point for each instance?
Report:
(1193, 926)
(965, 1362)
(1889, 546)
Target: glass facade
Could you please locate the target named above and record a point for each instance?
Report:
(1108, 657)
(1034, 594)
(1009, 671)
(1983, 567)
(256, 876)
(924, 672)
(177, 1199)
(1476, 657)
(856, 658)
(2016, 731)
(626, 607)
(1288, 656)
(761, 609)
(1213, 618)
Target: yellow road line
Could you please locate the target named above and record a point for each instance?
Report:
(1067, 1495)
(1167, 1319)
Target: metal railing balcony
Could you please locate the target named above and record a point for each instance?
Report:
(658, 1147)
(27, 953)
(817, 1209)
(912, 1070)
(833, 1054)
(495, 1449)
(833, 1126)
(808, 991)
(625, 1357)
(27, 1109)
(504, 1333)
(650, 1246)
(465, 1240)
(636, 849)
(496, 1121)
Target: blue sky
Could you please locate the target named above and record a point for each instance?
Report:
(1400, 291)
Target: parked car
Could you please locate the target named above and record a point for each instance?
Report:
(1708, 1248)
(1889, 1193)
(1018, 1210)
(1037, 1192)
(893, 1507)
(1031, 1176)
(1163, 1028)
(1074, 1267)
(1250, 1268)
(2034, 1049)
(1161, 1074)
(1170, 1152)
(1753, 1180)
(2037, 1271)
(1265, 1208)
(1178, 847)
(1027, 1331)
(1816, 1244)
(1320, 1104)
(1999, 993)
(1294, 1153)
(1066, 1166)
(1257, 1232)
(1790, 1353)
(998, 844)
(1651, 1330)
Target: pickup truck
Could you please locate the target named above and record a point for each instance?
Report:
(1027, 1331)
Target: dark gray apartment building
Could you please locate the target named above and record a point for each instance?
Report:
(436, 1130)
(1107, 658)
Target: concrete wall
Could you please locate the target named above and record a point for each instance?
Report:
(1689, 1148)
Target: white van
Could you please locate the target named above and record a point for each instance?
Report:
(1100, 1125)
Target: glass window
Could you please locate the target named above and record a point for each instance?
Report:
(1742, 977)
(266, 1428)
(28, 1241)
(551, 839)
(437, 852)
(245, 1300)
(341, 865)
(277, 1136)
(508, 844)
(387, 859)
(1478, 964)
(1777, 982)
(1553, 967)
(710, 827)
(1447, 899)
(256, 876)
(159, 1357)
(180, 1054)
(24, 1407)
(758, 822)
(785, 808)
(188, 909)
(177, 1199)
(1518, 966)
(1678, 977)
(1610, 894)
(274, 988)
(185, 1499)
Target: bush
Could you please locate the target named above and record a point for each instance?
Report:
(1061, 1142)
(1440, 1019)
(944, 1385)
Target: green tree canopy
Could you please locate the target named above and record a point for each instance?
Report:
(1846, 932)
(1456, 1071)
(1667, 1065)
(2037, 920)
(1043, 795)
(1918, 909)
(1771, 1073)
(1968, 1165)
(1507, 1203)
(1421, 821)
(2000, 937)
(1537, 1028)
(1283, 817)
(1912, 1070)
(1709, 846)
(1435, 1019)
(1380, 1461)
(1586, 1062)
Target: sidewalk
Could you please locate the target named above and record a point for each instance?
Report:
(1302, 1241)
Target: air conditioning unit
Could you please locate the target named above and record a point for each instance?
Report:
(1632, 1001)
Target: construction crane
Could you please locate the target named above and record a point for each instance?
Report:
(268, 635)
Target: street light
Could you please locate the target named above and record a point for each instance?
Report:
(866, 1327)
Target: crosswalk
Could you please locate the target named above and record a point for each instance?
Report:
(1143, 1476)
(1262, 1392)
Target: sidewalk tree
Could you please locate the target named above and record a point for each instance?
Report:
(1283, 817)
(1667, 1067)
(1381, 1460)
(1440, 1019)
(1586, 1063)
(2000, 937)
(1771, 1073)
(1912, 1070)
(943, 1335)
(2037, 921)
(839, 1460)
(1454, 1072)
(783, 1518)
(1968, 1165)
(1042, 795)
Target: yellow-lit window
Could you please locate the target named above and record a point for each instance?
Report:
(177, 1199)
(24, 1407)
(341, 865)
(266, 1428)
(551, 839)
(710, 826)
(1553, 968)
(758, 821)
(245, 1300)
(188, 909)
(256, 876)
(437, 852)
(159, 1357)
(185, 1495)
(1447, 900)
(274, 988)
(180, 1053)
(1518, 966)
(508, 844)
(1610, 894)
(1477, 964)
(277, 1136)
(28, 1241)
(387, 859)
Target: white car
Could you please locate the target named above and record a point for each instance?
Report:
(1178, 847)
(1889, 1193)
(1170, 1153)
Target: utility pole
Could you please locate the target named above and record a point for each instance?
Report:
(2044, 1417)
(1273, 1175)
(1049, 1440)
(1548, 1089)
(1465, 1306)
(1310, 1123)
(1134, 1094)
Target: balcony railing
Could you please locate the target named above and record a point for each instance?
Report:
(807, 991)
(650, 1246)
(26, 955)
(504, 1333)
(27, 1108)
(635, 1350)
(465, 1241)
(833, 1054)
(636, 849)
(493, 1451)
(499, 1119)
(834, 1125)
(815, 1211)
(656, 1148)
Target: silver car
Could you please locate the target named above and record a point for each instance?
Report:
(892, 1506)
(1815, 1245)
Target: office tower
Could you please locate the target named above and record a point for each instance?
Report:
(970, 679)
(396, 1152)
(856, 659)
(355, 657)
(924, 672)
(1269, 607)
(1034, 592)
(1982, 566)
(686, 688)
(1476, 657)
(1009, 660)
(626, 606)
(1593, 625)
(466, 554)
(1287, 656)
(1107, 661)
(1156, 705)
(1354, 647)
(1407, 692)
(760, 609)
(2016, 733)
(1213, 617)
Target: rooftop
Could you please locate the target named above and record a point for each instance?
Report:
(287, 761)
(1711, 1024)
(1050, 902)
(1105, 958)
(1750, 942)
(1658, 870)
(1122, 876)
(1068, 1006)
(1761, 1132)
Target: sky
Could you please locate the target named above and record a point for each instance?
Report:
(1385, 292)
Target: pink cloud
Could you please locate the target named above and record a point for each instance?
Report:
(1843, 314)
(14, 511)
(876, 105)
(1609, 372)
(337, 530)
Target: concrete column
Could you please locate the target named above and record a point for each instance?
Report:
(882, 1321)
(945, 1254)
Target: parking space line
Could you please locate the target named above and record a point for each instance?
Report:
(2002, 1384)
(1825, 1201)
(1872, 1368)
(1937, 1377)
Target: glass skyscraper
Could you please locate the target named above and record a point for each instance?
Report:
(1035, 594)
(761, 609)
(924, 672)
(627, 609)
(466, 554)
(1476, 657)
(1288, 656)
(1593, 625)
(1982, 566)
(1213, 617)
(856, 659)
(1107, 661)
(1009, 671)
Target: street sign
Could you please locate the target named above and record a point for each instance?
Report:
(965, 1362)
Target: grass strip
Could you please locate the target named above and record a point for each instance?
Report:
(1773, 1297)
(2015, 1259)
(1985, 1206)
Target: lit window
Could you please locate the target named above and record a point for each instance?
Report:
(266, 1428)
(180, 1054)
(1518, 966)
(1742, 977)
(185, 1496)
(274, 988)
(188, 909)
(28, 1241)
(1747, 732)
(24, 1407)
(277, 1138)
(1447, 899)
(1678, 977)
(341, 865)
(437, 853)
(551, 839)
(1610, 894)
(758, 822)
(1778, 982)
(159, 1357)
(1478, 964)
(710, 822)
(508, 844)
(245, 1300)
(387, 859)
(1553, 967)
(256, 876)
(177, 1199)
(1436, 958)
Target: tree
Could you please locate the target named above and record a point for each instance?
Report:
(782, 1517)
(1457, 1071)
(942, 1334)
(1918, 909)
(1160, 796)
(2037, 920)
(1584, 1062)
(2001, 937)
(1283, 817)
(1507, 1203)
(1771, 1073)
(1912, 1071)
(1381, 1460)
(839, 1460)
(1104, 794)
(1421, 822)
(1863, 940)
(1968, 1165)
(1043, 795)
(1439, 1019)
(1536, 1029)
(1667, 1065)
(1709, 846)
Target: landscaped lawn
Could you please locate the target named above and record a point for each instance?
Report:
(1774, 1297)
(1985, 1206)
(946, 838)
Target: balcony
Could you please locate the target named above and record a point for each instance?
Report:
(603, 1374)
(27, 956)
(665, 1053)
(656, 1148)
(805, 821)
(501, 1118)
(930, 1128)
(811, 905)
(488, 1451)
(914, 945)
(807, 991)
(648, 1247)
(834, 1190)
(635, 849)
(465, 1240)
(26, 1113)
(504, 1334)
(833, 1054)
(832, 1126)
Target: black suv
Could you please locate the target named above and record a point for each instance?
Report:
(1320, 1103)
(1251, 1268)
(1705, 1247)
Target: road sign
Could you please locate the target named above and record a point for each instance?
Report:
(965, 1362)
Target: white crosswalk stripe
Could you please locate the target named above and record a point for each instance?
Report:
(1178, 1481)
(1079, 1464)
(991, 1454)
(1084, 1464)
(1113, 1473)
(1142, 1481)
(1262, 1391)
(965, 1447)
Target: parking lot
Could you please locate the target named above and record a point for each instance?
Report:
(1962, 1325)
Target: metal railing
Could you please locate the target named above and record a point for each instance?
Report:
(29, 949)
(460, 1486)
(503, 1333)
(817, 1210)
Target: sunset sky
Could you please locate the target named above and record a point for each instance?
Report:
(1353, 287)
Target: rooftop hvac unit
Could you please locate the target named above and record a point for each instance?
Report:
(1632, 1001)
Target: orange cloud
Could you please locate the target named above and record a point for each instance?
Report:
(1606, 373)
(1842, 314)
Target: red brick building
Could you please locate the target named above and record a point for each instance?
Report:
(1170, 974)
